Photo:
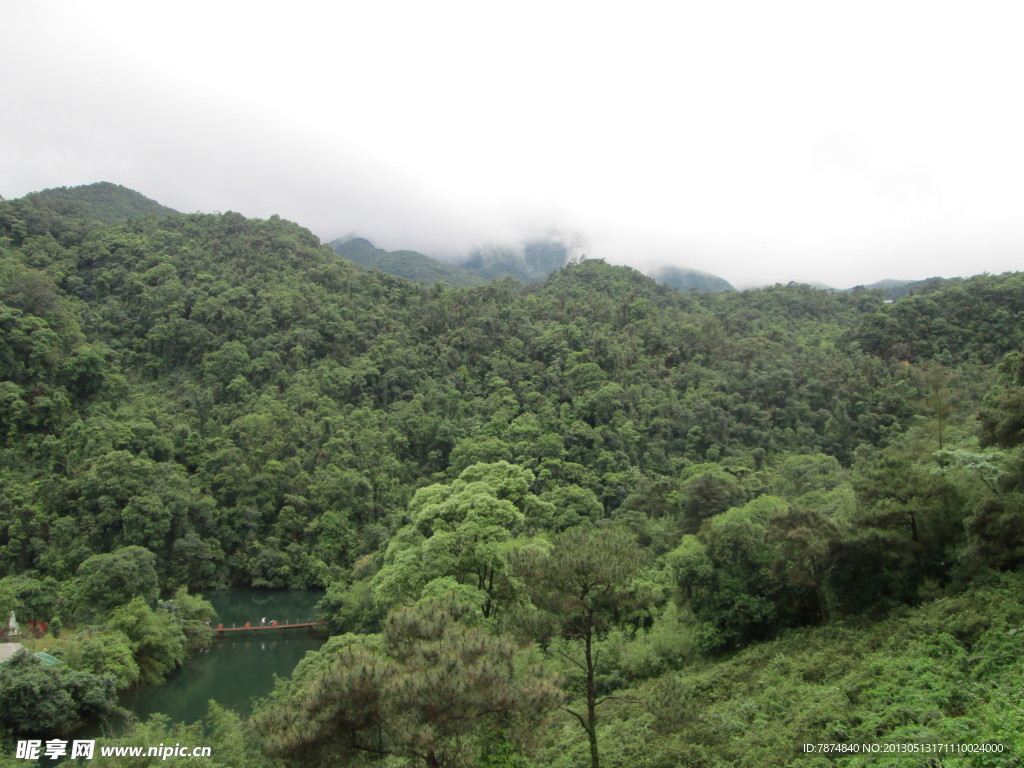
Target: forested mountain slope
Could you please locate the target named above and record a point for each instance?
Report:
(281, 383)
(231, 396)
(977, 319)
(409, 264)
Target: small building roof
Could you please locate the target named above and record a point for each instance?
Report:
(9, 649)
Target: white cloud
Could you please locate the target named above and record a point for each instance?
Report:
(761, 142)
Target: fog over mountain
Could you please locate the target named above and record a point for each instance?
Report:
(762, 144)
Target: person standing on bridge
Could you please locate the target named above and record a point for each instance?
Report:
(263, 621)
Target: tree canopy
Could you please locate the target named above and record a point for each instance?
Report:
(524, 502)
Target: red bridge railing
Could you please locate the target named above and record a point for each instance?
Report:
(250, 627)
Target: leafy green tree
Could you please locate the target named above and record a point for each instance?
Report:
(572, 506)
(709, 493)
(803, 474)
(464, 530)
(189, 608)
(104, 653)
(350, 608)
(30, 598)
(39, 700)
(105, 581)
(108, 580)
(197, 563)
(725, 574)
(157, 639)
(479, 451)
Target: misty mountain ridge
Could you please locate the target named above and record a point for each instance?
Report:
(533, 261)
(530, 264)
(408, 264)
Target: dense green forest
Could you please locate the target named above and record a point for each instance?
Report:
(586, 521)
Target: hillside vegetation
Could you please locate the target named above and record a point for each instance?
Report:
(408, 264)
(590, 520)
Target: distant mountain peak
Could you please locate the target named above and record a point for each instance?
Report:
(690, 280)
(355, 242)
(103, 201)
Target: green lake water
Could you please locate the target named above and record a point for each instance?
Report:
(240, 665)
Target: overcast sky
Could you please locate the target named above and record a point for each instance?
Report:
(839, 143)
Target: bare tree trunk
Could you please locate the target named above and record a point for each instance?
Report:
(595, 761)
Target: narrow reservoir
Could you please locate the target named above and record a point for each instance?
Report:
(240, 665)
